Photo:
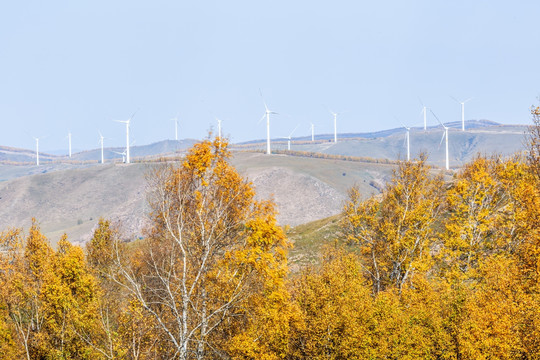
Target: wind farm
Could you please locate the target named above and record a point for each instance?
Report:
(274, 180)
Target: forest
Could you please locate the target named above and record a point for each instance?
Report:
(428, 269)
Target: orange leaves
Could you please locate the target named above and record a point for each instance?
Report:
(394, 233)
(49, 294)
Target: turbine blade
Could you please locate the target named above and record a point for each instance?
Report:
(442, 138)
(456, 100)
(132, 115)
(469, 99)
(437, 118)
(262, 97)
(293, 130)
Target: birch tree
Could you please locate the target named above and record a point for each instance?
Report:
(211, 253)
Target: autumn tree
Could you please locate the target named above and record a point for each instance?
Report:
(48, 295)
(395, 231)
(211, 272)
(479, 214)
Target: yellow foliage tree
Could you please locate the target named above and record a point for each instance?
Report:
(395, 232)
(49, 295)
(211, 273)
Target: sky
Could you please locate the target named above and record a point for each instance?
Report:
(74, 66)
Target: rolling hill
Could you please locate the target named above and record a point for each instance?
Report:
(70, 196)
(71, 200)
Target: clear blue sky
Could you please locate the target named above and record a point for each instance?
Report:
(76, 65)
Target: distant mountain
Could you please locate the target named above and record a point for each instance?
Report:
(469, 124)
(10, 154)
(157, 148)
(480, 137)
(70, 196)
(71, 200)
(15, 155)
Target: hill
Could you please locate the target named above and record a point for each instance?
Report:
(9, 155)
(70, 196)
(71, 200)
(483, 138)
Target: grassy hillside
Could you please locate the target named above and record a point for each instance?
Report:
(463, 146)
(72, 198)
(309, 238)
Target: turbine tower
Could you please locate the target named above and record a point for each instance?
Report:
(312, 132)
(407, 140)
(37, 151)
(175, 119)
(462, 111)
(408, 143)
(335, 124)
(424, 112)
(219, 127)
(267, 114)
(127, 122)
(444, 137)
(101, 142)
(69, 141)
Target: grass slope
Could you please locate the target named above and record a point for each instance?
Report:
(72, 199)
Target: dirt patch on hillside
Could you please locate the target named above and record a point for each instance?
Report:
(300, 198)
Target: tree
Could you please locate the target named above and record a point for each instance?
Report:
(477, 205)
(336, 310)
(48, 295)
(395, 232)
(211, 271)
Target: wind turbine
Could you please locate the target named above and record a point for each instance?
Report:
(444, 137)
(407, 138)
(408, 143)
(462, 111)
(219, 127)
(289, 138)
(424, 112)
(123, 153)
(101, 138)
(37, 150)
(335, 124)
(267, 114)
(69, 141)
(312, 132)
(127, 134)
(175, 119)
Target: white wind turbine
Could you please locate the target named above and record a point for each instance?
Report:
(175, 119)
(219, 127)
(37, 150)
(407, 139)
(312, 132)
(408, 143)
(101, 142)
(335, 124)
(127, 122)
(267, 114)
(424, 112)
(123, 153)
(69, 143)
(462, 111)
(444, 137)
(289, 138)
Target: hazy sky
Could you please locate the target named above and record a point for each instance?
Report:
(76, 65)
